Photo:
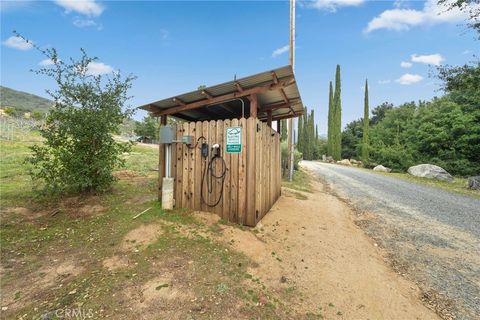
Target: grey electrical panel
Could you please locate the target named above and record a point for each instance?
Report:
(166, 134)
(187, 140)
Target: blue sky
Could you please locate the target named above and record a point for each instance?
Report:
(173, 47)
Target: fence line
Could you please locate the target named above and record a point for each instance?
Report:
(252, 181)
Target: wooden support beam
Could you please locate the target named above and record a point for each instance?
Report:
(285, 82)
(275, 78)
(284, 96)
(279, 105)
(279, 126)
(179, 101)
(207, 94)
(239, 87)
(161, 161)
(253, 105)
(269, 118)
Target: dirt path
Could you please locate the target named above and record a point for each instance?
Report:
(313, 250)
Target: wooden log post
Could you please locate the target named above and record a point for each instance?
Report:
(161, 160)
(253, 105)
(269, 118)
(279, 127)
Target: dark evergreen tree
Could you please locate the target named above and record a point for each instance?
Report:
(283, 130)
(330, 122)
(300, 134)
(337, 117)
(365, 143)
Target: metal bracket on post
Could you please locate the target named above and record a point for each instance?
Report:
(166, 139)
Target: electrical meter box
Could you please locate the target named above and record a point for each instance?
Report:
(166, 134)
(187, 140)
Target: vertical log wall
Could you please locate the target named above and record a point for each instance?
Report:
(253, 177)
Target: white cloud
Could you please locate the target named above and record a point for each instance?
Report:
(405, 64)
(409, 78)
(46, 62)
(280, 51)
(18, 43)
(435, 59)
(86, 7)
(384, 81)
(98, 68)
(404, 19)
(467, 51)
(332, 5)
(83, 23)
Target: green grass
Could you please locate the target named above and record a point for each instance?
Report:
(32, 243)
(301, 182)
(458, 185)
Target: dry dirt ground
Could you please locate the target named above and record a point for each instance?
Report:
(306, 260)
(313, 249)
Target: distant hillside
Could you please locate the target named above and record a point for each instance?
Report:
(22, 101)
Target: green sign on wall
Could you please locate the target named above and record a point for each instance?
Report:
(234, 140)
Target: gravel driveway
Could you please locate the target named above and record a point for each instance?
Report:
(431, 236)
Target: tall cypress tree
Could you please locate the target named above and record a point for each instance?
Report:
(337, 117)
(283, 130)
(300, 143)
(365, 143)
(306, 135)
(311, 134)
(330, 122)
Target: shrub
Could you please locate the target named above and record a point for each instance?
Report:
(79, 152)
(297, 156)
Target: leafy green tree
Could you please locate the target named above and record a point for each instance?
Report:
(79, 152)
(462, 83)
(379, 113)
(471, 7)
(149, 127)
(447, 135)
(365, 143)
(337, 117)
(351, 139)
(330, 121)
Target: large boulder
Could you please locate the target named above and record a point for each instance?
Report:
(474, 182)
(381, 168)
(430, 171)
(345, 162)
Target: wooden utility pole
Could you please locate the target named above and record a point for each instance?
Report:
(292, 60)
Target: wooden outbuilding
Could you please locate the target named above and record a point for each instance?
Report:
(225, 157)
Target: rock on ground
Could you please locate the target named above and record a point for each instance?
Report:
(474, 182)
(430, 171)
(381, 168)
(345, 162)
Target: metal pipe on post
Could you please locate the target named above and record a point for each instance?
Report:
(292, 60)
(164, 170)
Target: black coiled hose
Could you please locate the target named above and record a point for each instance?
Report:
(209, 170)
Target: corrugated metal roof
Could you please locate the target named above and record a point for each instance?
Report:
(232, 109)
